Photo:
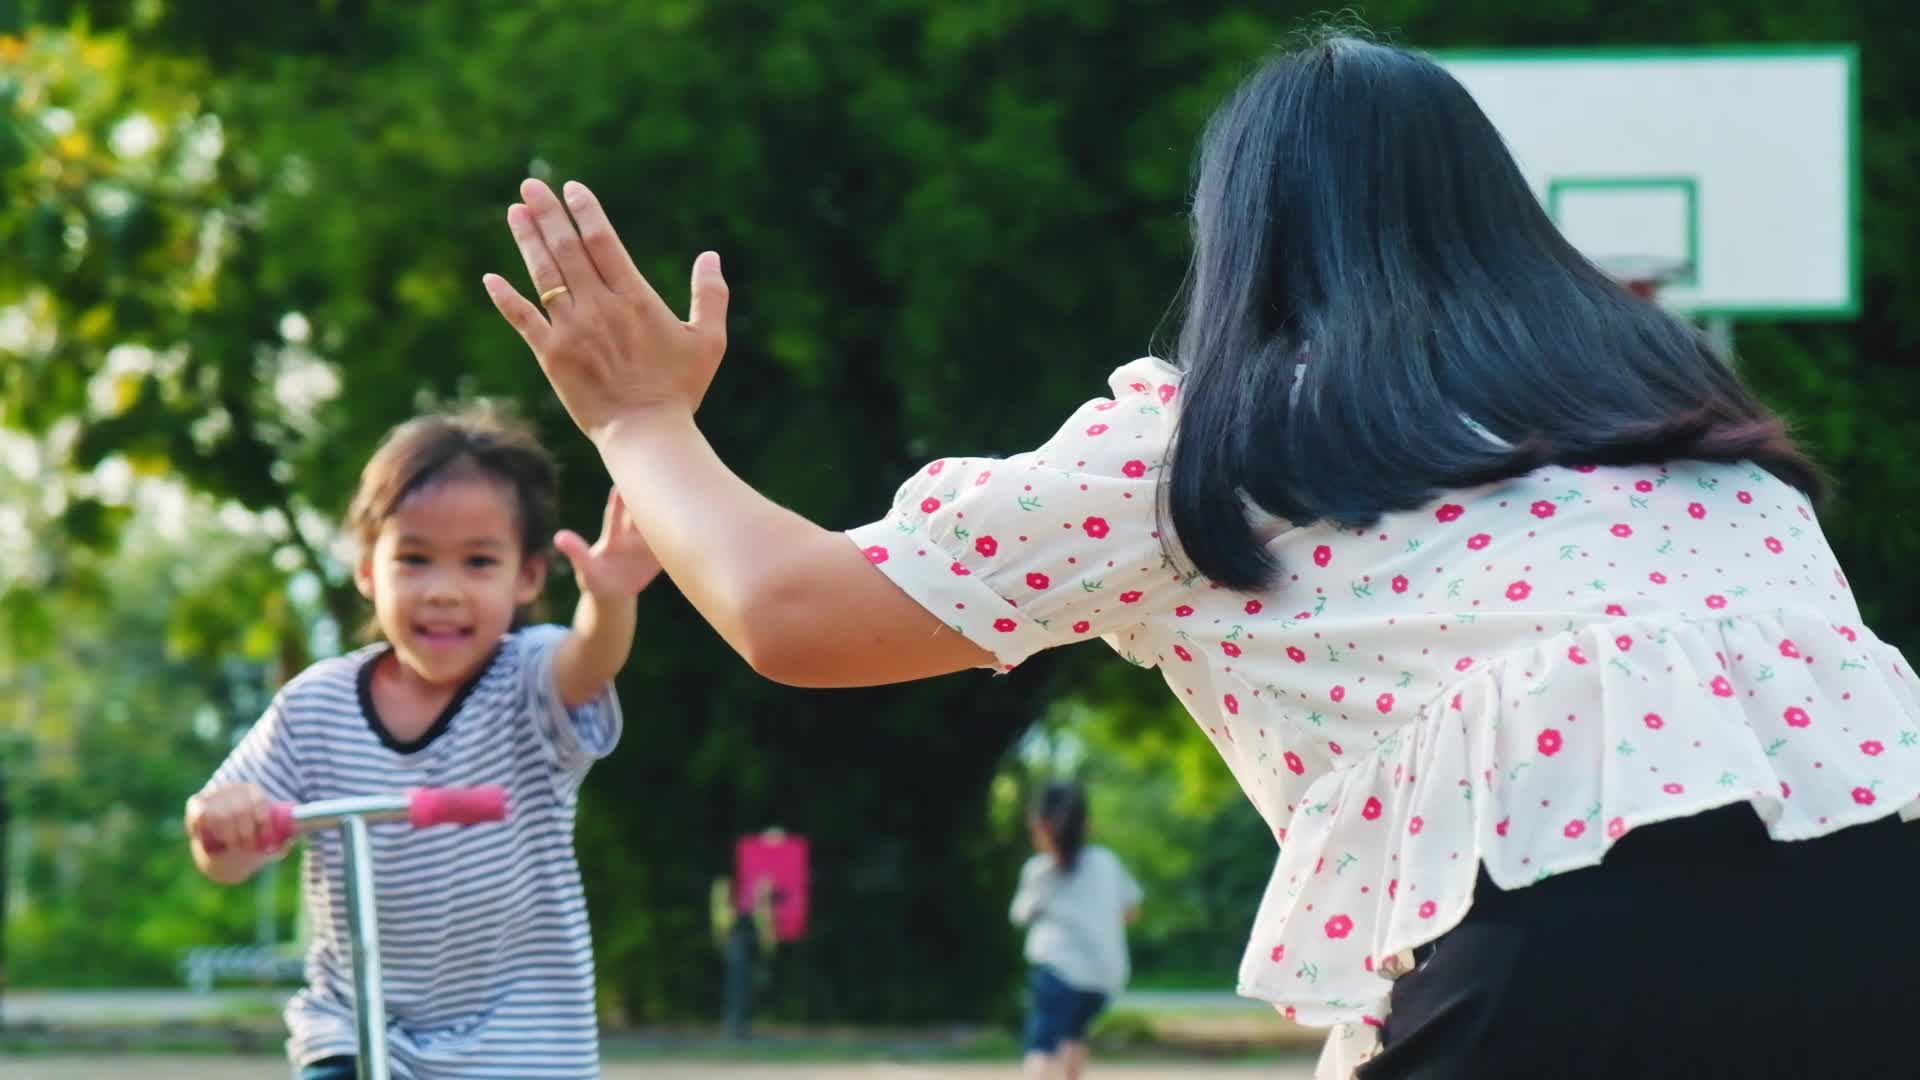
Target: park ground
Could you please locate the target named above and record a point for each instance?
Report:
(171, 1035)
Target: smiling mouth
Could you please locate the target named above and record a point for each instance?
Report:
(443, 636)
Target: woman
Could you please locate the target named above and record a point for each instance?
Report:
(1501, 596)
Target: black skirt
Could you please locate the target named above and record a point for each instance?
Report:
(1700, 948)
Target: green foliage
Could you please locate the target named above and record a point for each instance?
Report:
(943, 222)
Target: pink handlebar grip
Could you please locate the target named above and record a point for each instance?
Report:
(457, 806)
(279, 831)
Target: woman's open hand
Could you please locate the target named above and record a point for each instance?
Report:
(610, 346)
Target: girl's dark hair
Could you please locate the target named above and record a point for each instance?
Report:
(1062, 811)
(1357, 213)
(477, 442)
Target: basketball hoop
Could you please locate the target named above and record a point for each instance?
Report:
(1643, 275)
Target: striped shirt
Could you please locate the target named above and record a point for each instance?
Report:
(485, 950)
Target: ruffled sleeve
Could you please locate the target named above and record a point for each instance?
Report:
(1044, 548)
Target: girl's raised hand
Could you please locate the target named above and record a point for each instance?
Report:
(610, 346)
(620, 563)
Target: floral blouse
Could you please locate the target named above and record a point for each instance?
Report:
(1512, 677)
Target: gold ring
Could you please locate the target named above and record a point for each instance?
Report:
(546, 298)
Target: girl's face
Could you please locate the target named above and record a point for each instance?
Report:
(1042, 839)
(445, 575)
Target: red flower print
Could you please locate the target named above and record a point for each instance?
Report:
(1294, 764)
(1585, 468)
(1399, 583)
(1745, 497)
(875, 554)
(1653, 721)
(1478, 541)
(1797, 717)
(1449, 512)
(1096, 527)
(1097, 429)
(1083, 626)
(934, 469)
(1138, 387)
(1384, 703)
(959, 570)
(1788, 649)
(1038, 581)
(1427, 909)
(1253, 607)
(1519, 591)
(986, 546)
(1338, 693)
(1616, 611)
(1623, 642)
(1696, 510)
(1616, 828)
(1503, 826)
(1543, 509)
(1549, 742)
(1416, 824)
(1183, 610)
(1456, 702)
(1181, 652)
(1371, 811)
(1005, 626)
(1643, 486)
(1296, 654)
(1622, 530)
(1672, 788)
(1393, 889)
(1134, 469)
(929, 504)
(1230, 648)
(1846, 632)
(1774, 545)
(1463, 663)
(1339, 926)
(1131, 596)
(1716, 601)
(1233, 705)
(981, 480)
(1335, 748)
(1863, 796)
(1721, 687)
(1785, 791)
(1279, 953)
(1872, 748)
(1657, 578)
(1167, 390)
(1322, 555)
(1574, 654)
(1575, 829)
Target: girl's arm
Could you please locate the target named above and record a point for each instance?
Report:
(611, 574)
(1033, 893)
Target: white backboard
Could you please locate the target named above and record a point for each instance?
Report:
(1740, 165)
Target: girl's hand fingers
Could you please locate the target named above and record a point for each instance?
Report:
(543, 269)
(621, 517)
(263, 837)
(603, 246)
(562, 239)
(519, 312)
(610, 517)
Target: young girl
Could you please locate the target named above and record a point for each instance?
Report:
(1501, 597)
(483, 931)
(1076, 900)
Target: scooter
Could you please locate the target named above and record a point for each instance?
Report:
(421, 808)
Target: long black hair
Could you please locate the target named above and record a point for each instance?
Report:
(1061, 810)
(1355, 212)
